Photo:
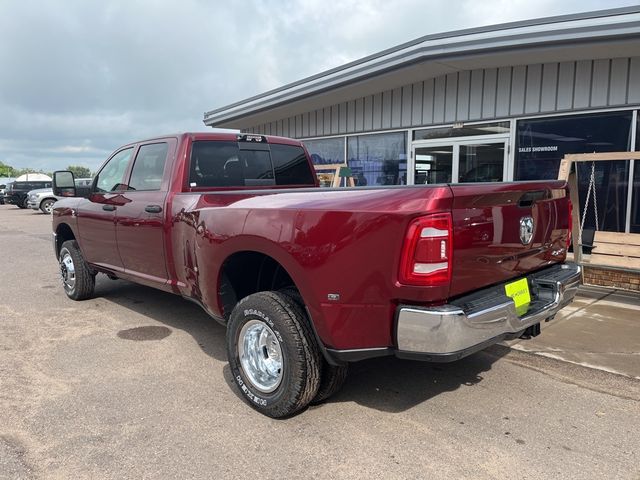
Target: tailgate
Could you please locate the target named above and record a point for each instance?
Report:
(491, 226)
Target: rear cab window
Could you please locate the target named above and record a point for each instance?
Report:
(217, 163)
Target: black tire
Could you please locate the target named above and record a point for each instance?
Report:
(22, 204)
(333, 377)
(83, 280)
(331, 381)
(299, 377)
(46, 205)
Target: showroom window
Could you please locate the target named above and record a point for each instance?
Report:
(379, 159)
(326, 150)
(541, 144)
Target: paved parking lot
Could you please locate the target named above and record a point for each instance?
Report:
(134, 384)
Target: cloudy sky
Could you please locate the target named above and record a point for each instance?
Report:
(78, 78)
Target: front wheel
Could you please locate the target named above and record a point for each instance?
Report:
(47, 205)
(272, 354)
(77, 279)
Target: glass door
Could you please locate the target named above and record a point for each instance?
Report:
(481, 162)
(433, 164)
(460, 161)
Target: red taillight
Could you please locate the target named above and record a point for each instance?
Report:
(426, 253)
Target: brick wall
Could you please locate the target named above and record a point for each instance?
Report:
(612, 278)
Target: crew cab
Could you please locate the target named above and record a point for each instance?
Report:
(309, 279)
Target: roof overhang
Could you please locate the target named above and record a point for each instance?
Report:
(594, 35)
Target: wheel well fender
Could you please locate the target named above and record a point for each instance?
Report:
(63, 233)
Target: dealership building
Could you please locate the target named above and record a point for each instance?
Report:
(497, 103)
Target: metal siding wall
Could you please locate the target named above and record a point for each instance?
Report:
(549, 91)
(299, 126)
(566, 82)
(313, 132)
(407, 104)
(326, 123)
(439, 99)
(359, 115)
(319, 123)
(368, 113)
(600, 83)
(475, 95)
(532, 89)
(582, 87)
(377, 111)
(518, 88)
(451, 99)
(618, 83)
(351, 116)
(634, 80)
(335, 119)
(387, 101)
(428, 96)
(464, 89)
(489, 93)
(396, 108)
(416, 109)
(342, 118)
(503, 92)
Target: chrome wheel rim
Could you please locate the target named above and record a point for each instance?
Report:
(260, 356)
(48, 207)
(67, 270)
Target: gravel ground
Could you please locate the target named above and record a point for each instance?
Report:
(134, 384)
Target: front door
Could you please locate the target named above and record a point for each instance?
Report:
(141, 219)
(96, 213)
(460, 161)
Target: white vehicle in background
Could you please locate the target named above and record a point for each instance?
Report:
(43, 198)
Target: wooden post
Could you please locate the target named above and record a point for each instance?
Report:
(575, 215)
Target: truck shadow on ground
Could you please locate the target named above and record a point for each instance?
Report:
(386, 384)
(393, 385)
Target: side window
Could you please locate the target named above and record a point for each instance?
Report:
(291, 165)
(110, 177)
(149, 167)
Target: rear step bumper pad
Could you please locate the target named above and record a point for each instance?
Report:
(452, 331)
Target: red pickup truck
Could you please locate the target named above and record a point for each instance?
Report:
(308, 279)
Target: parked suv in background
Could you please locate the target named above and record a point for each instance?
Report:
(3, 188)
(43, 198)
(16, 193)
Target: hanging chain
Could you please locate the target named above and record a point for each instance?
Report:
(592, 186)
(592, 183)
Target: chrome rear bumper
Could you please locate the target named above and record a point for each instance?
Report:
(474, 322)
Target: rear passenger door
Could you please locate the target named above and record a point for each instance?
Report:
(141, 219)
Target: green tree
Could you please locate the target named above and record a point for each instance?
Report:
(6, 170)
(79, 171)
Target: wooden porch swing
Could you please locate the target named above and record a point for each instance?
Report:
(608, 250)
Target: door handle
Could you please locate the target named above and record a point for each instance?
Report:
(153, 209)
(109, 208)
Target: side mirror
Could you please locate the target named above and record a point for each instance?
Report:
(64, 184)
